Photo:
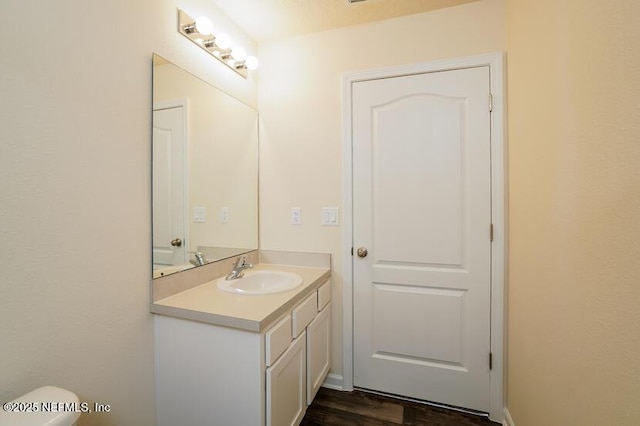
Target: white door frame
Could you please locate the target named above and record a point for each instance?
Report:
(495, 61)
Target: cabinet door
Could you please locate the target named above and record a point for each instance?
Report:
(318, 352)
(287, 386)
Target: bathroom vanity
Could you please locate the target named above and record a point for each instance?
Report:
(235, 359)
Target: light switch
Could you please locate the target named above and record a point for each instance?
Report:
(224, 215)
(330, 216)
(296, 216)
(199, 214)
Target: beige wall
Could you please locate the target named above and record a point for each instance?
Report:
(574, 126)
(75, 170)
(300, 103)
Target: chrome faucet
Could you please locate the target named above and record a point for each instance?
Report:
(238, 268)
(199, 259)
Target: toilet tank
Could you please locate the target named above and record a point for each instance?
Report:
(45, 406)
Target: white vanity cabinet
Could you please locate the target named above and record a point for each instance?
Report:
(212, 375)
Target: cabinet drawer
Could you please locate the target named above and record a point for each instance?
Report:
(304, 313)
(277, 340)
(324, 295)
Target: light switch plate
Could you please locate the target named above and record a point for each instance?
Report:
(330, 216)
(199, 214)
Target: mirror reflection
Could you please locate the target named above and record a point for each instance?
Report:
(205, 172)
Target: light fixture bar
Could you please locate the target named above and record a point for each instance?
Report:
(216, 46)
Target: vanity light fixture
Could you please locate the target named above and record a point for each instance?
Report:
(201, 32)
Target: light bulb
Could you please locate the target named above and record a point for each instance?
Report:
(204, 25)
(238, 53)
(223, 41)
(251, 62)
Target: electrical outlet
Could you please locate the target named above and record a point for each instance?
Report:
(224, 215)
(296, 216)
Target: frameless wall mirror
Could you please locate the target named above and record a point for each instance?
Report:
(205, 172)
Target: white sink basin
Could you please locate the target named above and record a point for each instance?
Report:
(261, 282)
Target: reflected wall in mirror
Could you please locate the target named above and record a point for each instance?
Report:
(205, 172)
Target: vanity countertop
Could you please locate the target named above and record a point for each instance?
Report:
(207, 303)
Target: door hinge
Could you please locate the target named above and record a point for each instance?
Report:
(490, 233)
(490, 102)
(490, 361)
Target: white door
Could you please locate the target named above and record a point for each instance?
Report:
(422, 209)
(169, 230)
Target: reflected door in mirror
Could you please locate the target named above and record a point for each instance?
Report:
(169, 230)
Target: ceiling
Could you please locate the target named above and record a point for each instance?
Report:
(272, 19)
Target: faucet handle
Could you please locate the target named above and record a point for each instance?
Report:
(200, 259)
(239, 261)
(238, 268)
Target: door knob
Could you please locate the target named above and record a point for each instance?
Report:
(362, 252)
(177, 242)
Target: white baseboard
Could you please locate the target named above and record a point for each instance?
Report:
(333, 381)
(508, 421)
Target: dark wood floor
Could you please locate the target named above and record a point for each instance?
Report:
(357, 408)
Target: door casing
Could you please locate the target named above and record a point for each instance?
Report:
(495, 62)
